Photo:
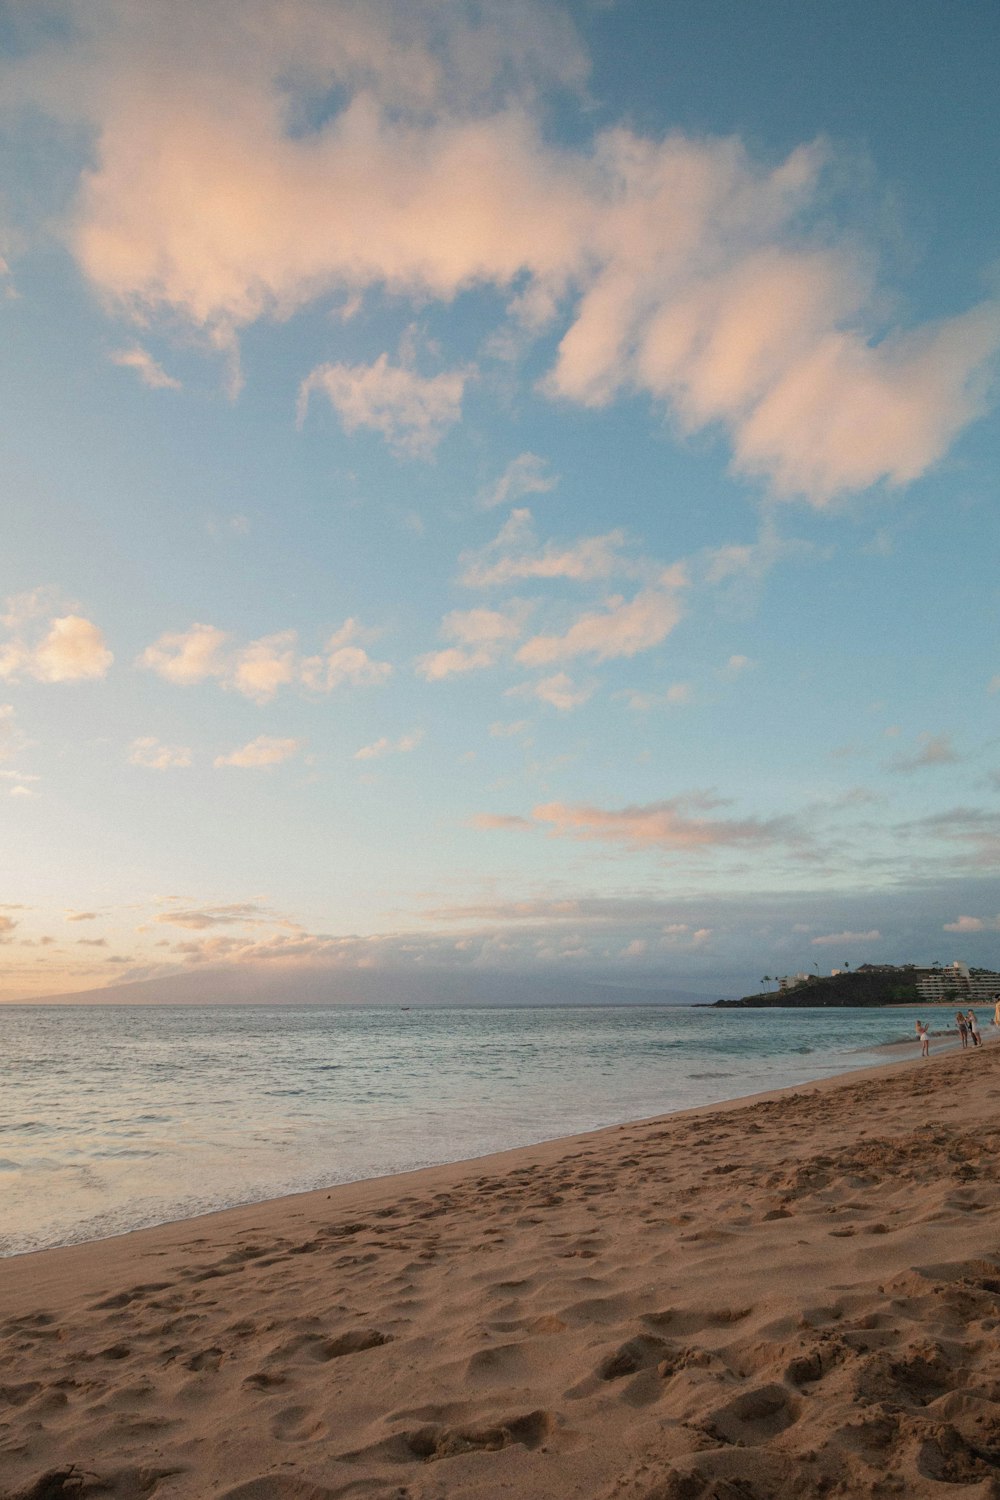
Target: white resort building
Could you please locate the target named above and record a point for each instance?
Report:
(957, 982)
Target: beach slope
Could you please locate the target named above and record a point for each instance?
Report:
(791, 1296)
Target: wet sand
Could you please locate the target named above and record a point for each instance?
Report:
(793, 1295)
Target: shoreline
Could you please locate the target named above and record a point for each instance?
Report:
(771, 1291)
(900, 1051)
(903, 1049)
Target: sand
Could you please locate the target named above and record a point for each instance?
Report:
(794, 1295)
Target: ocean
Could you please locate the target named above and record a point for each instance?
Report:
(114, 1117)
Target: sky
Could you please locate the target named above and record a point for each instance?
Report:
(498, 488)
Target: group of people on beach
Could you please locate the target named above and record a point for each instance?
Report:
(967, 1025)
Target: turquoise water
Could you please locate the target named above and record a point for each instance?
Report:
(112, 1118)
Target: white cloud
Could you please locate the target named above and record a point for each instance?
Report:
(524, 475)
(411, 411)
(260, 668)
(350, 665)
(676, 696)
(560, 691)
(265, 665)
(188, 656)
(73, 651)
(154, 756)
(514, 553)
(149, 372)
(73, 648)
(683, 266)
(973, 924)
(483, 636)
(385, 746)
(452, 661)
(837, 939)
(502, 731)
(473, 627)
(260, 753)
(622, 629)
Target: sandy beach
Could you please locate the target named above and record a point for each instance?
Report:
(793, 1295)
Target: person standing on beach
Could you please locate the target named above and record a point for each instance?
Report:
(924, 1037)
(963, 1027)
(996, 1011)
(973, 1024)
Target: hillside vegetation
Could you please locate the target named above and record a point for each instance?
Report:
(881, 986)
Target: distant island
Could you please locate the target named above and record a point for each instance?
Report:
(877, 984)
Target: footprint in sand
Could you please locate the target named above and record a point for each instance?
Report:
(753, 1417)
(122, 1299)
(298, 1424)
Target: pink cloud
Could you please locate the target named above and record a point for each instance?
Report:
(73, 649)
(680, 824)
(679, 265)
(260, 754)
(622, 629)
(260, 668)
(411, 411)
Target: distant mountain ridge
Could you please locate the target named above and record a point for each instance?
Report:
(274, 984)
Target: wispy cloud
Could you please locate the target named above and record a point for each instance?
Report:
(974, 831)
(237, 913)
(384, 746)
(838, 939)
(500, 730)
(935, 750)
(558, 690)
(483, 635)
(260, 754)
(148, 752)
(744, 565)
(411, 411)
(677, 695)
(678, 824)
(623, 628)
(145, 366)
(515, 553)
(525, 475)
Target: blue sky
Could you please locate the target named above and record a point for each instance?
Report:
(505, 488)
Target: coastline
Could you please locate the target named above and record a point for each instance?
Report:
(345, 1099)
(717, 1295)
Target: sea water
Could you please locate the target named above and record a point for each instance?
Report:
(113, 1117)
